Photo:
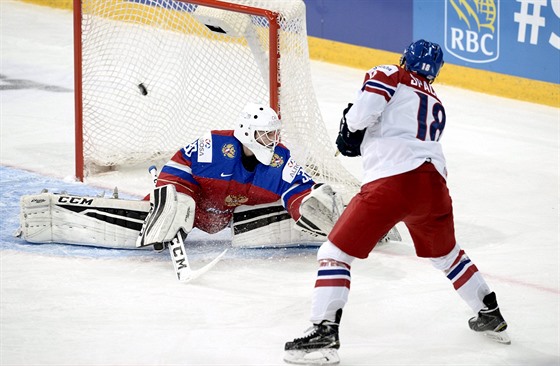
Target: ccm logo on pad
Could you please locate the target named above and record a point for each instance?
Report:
(75, 200)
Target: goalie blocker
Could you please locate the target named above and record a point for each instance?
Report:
(169, 212)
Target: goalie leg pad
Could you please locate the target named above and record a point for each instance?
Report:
(81, 220)
(170, 211)
(267, 225)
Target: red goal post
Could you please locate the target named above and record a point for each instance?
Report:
(153, 75)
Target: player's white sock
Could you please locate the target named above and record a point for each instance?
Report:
(465, 277)
(333, 283)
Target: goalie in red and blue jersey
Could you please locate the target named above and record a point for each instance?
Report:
(205, 181)
(246, 166)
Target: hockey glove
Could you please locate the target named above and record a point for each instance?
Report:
(320, 210)
(347, 142)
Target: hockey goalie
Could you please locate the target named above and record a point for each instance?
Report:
(242, 178)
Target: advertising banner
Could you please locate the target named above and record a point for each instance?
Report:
(514, 37)
(378, 24)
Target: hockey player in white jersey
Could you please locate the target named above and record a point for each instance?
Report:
(395, 124)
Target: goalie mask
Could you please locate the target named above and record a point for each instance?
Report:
(258, 128)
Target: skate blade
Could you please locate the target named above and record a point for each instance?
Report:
(500, 337)
(327, 356)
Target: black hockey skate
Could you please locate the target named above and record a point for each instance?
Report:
(319, 347)
(490, 321)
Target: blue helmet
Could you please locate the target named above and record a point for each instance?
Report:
(424, 58)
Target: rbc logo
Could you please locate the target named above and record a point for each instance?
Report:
(472, 29)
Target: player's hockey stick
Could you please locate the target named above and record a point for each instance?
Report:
(178, 253)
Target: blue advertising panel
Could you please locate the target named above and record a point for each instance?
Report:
(519, 38)
(380, 24)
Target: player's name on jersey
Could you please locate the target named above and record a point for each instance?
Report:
(421, 84)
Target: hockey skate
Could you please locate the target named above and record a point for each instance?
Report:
(319, 347)
(490, 321)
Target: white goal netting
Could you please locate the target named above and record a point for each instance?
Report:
(157, 74)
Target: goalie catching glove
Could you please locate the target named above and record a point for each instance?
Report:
(348, 142)
(169, 212)
(320, 210)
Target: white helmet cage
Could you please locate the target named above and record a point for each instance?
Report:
(254, 128)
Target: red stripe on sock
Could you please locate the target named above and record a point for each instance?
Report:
(465, 277)
(459, 256)
(335, 282)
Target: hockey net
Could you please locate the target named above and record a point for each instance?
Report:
(154, 75)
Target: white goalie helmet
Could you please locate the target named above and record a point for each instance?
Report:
(258, 128)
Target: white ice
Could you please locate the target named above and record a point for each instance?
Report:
(66, 306)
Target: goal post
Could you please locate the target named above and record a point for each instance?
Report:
(153, 75)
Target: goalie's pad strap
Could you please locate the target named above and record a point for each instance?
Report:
(267, 225)
(83, 220)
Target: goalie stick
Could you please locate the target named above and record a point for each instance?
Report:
(178, 253)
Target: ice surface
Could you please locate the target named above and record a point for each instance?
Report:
(72, 305)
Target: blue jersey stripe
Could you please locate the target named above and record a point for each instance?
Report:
(377, 85)
(179, 173)
(295, 190)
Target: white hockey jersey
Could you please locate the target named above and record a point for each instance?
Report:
(404, 120)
